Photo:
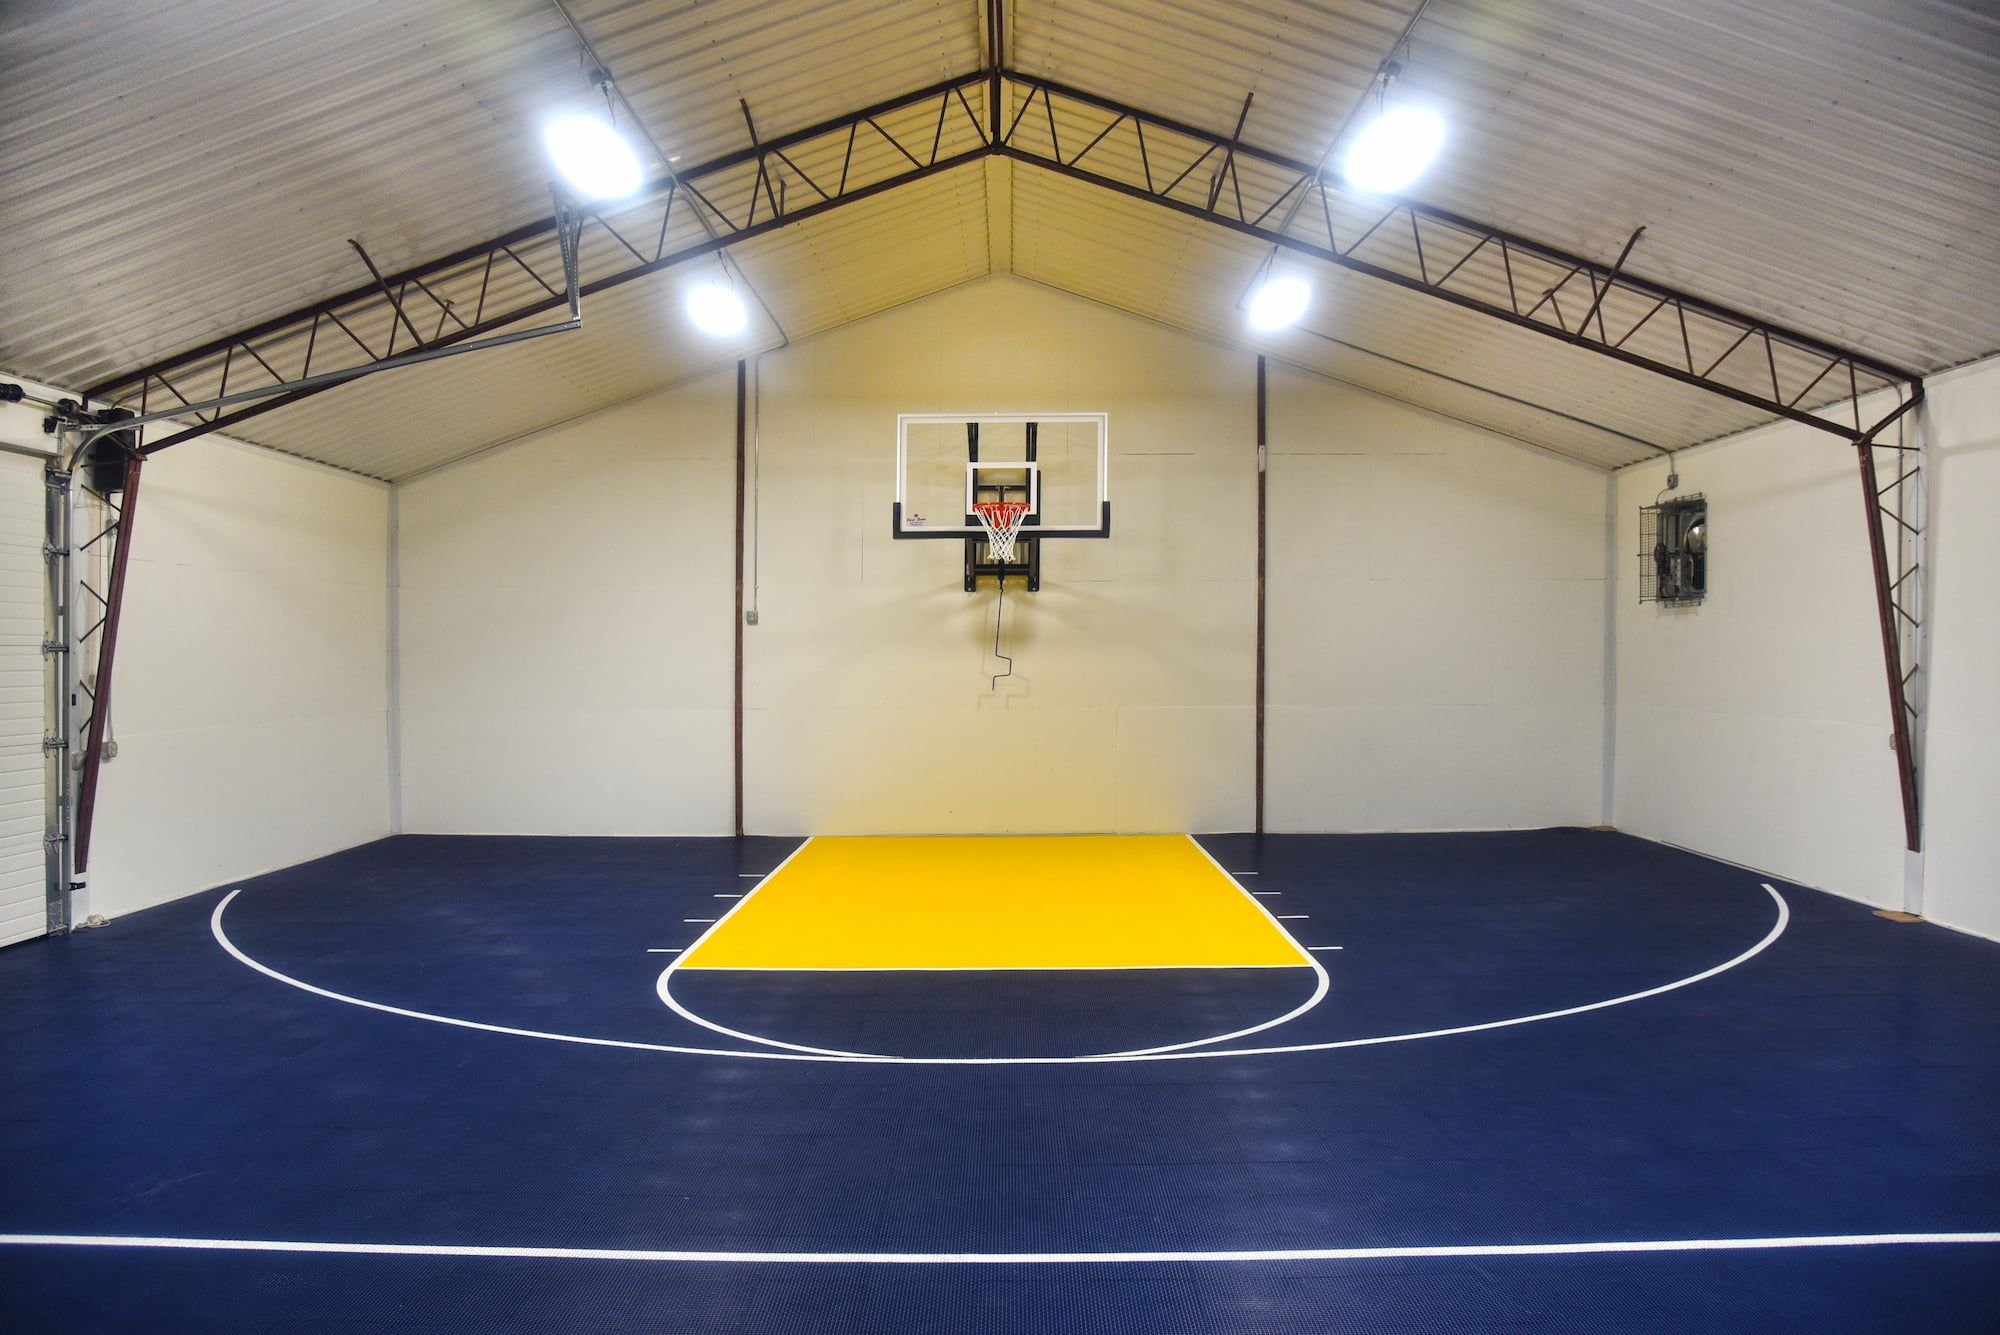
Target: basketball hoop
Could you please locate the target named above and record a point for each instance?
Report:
(1002, 521)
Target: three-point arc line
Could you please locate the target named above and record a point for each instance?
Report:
(1784, 917)
(1015, 1258)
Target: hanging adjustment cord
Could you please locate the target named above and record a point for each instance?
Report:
(999, 610)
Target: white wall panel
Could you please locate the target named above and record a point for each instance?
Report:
(1437, 607)
(1436, 599)
(564, 606)
(252, 690)
(871, 708)
(1962, 768)
(23, 717)
(1755, 727)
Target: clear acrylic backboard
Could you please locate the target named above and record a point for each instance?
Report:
(1058, 463)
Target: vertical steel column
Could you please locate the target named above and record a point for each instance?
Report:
(107, 653)
(742, 422)
(1263, 457)
(61, 649)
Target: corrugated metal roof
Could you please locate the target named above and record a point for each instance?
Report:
(174, 172)
(404, 421)
(884, 251)
(686, 66)
(1306, 63)
(171, 173)
(1130, 254)
(823, 272)
(1829, 165)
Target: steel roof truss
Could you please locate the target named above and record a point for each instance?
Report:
(1578, 300)
(520, 275)
(1221, 178)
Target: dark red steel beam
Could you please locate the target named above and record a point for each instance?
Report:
(543, 227)
(742, 438)
(602, 284)
(1885, 607)
(1263, 457)
(1414, 284)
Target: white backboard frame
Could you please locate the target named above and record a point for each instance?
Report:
(931, 528)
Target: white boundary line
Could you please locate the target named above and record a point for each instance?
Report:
(1006, 1258)
(1321, 985)
(222, 939)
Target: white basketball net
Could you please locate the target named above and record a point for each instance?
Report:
(1002, 521)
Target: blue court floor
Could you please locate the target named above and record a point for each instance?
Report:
(1558, 1081)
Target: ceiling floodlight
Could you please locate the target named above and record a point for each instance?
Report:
(592, 157)
(716, 309)
(1279, 302)
(1394, 150)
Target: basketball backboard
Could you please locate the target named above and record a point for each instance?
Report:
(1058, 463)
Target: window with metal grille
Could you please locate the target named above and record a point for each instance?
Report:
(1673, 551)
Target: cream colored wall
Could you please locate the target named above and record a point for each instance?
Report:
(565, 617)
(1962, 759)
(251, 683)
(1435, 642)
(1436, 605)
(1755, 727)
(564, 627)
(867, 680)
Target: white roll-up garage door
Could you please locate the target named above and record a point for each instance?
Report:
(23, 585)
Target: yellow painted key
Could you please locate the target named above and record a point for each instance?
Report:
(1025, 902)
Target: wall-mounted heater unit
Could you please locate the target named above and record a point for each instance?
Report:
(1673, 551)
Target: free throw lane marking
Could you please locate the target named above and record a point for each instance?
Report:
(1074, 863)
(997, 902)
